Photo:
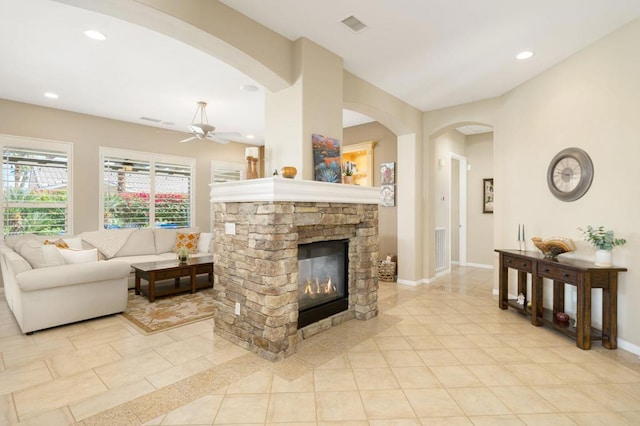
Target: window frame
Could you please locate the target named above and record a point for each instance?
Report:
(152, 158)
(229, 165)
(47, 145)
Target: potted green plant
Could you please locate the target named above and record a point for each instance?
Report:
(603, 240)
(347, 175)
(183, 254)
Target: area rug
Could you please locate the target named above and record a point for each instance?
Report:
(168, 312)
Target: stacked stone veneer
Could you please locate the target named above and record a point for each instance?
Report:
(258, 268)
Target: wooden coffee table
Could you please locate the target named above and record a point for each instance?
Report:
(168, 269)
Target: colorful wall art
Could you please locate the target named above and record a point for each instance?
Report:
(326, 159)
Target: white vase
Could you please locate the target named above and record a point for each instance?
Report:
(603, 257)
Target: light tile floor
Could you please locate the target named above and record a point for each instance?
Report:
(437, 354)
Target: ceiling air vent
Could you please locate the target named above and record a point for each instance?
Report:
(354, 24)
(155, 120)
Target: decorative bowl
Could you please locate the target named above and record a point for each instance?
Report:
(289, 172)
(554, 246)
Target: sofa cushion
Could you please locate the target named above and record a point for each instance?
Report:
(188, 240)
(41, 256)
(79, 256)
(17, 241)
(11, 240)
(108, 241)
(204, 243)
(165, 240)
(140, 242)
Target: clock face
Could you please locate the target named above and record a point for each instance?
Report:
(570, 174)
(566, 174)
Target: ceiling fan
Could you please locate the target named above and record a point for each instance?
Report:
(203, 130)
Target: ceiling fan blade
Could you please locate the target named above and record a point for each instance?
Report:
(188, 139)
(216, 138)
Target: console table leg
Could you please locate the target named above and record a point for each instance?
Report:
(610, 313)
(583, 321)
(536, 300)
(503, 284)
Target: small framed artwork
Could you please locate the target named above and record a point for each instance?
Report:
(387, 173)
(387, 195)
(487, 195)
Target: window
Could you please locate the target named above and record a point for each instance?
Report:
(142, 190)
(222, 171)
(36, 186)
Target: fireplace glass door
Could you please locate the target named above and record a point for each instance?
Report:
(322, 282)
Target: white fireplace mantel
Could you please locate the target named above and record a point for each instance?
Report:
(281, 189)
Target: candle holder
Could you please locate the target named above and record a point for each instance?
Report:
(252, 167)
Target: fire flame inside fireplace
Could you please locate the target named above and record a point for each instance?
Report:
(316, 287)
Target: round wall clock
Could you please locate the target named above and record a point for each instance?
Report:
(570, 174)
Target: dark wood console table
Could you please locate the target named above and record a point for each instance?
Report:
(582, 274)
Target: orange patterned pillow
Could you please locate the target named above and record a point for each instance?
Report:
(60, 243)
(187, 240)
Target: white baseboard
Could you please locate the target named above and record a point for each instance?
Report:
(409, 283)
(480, 265)
(629, 347)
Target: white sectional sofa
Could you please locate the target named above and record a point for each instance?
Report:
(47, 286)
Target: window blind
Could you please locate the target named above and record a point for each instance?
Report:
(142, 190)
(35, 190)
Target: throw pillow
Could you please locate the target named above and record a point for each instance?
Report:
(187, 240)
(79, 256)
(204, 243)
(60, 243)
(40, 256)
(74, 243)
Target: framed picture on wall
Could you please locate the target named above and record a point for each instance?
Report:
(326, 159)
(487, 195)
(387, 173)
(387, 195)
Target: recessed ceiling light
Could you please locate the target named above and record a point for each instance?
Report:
(250, 137)
(525, 54)
(51, 95)
(249, 88)
(95, 35)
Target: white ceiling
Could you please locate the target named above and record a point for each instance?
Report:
(429, 53)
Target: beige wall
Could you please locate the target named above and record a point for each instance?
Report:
(479, 153)
(590, 100)
(88, 133)
(385, 151)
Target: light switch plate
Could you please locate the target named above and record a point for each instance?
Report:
(230, 228)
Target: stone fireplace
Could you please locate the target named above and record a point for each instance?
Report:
(261, 226)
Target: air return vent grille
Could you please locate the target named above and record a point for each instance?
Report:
(354, 24)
